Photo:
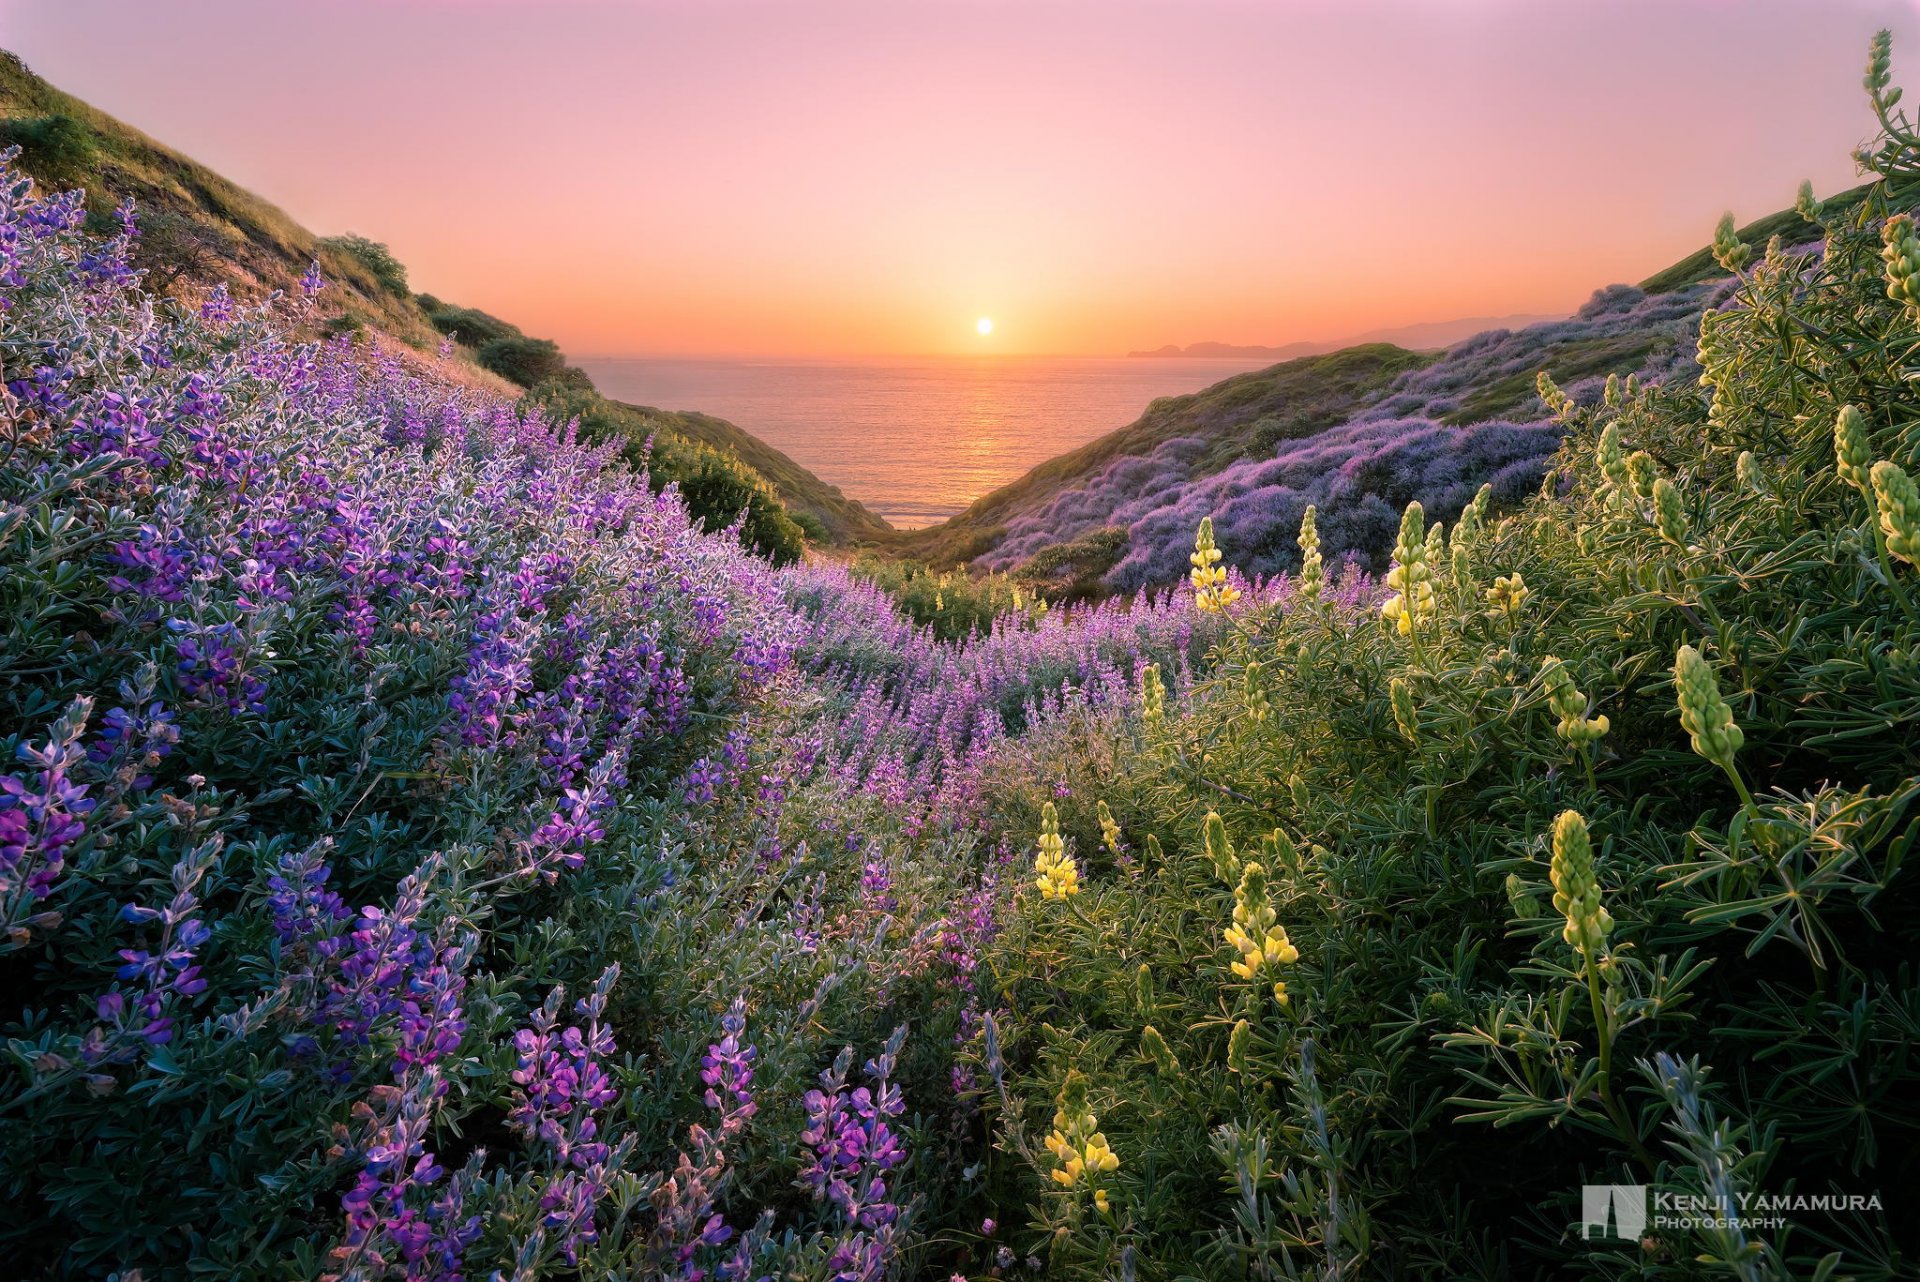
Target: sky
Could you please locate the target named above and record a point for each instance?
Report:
(818, 177)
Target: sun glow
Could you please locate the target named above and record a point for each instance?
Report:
(983, 326)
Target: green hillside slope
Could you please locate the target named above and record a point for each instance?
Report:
(198, 229)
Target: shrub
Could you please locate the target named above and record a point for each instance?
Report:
(386, 270)
(56, 149)
(526, 361)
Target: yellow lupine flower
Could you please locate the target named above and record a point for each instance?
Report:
(1211, 591)
(1852, 448)
(1508, 593)
(1312, 573)
(1703, 713)
(1576, 890)
(1411, 577)
(1255, 934)
(1109, 830)
(1731, 252)
(1055, 872)
(1081, 1150)
(1570, 705)
(1901, 253)
(1899, 503)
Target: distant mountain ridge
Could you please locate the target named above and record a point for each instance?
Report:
(1421, 337)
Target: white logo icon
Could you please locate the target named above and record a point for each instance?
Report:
(1625, 1204)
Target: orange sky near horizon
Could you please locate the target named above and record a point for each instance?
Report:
(784, 178)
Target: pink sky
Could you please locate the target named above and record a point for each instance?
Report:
(715, 176)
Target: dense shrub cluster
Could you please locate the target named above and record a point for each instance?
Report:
(378, 261)
(1583, 860)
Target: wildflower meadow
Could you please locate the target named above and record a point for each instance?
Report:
(428, 851)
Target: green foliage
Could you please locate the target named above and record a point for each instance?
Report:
(954, 603)
(1603, 878)
(527, 361)
(56, 149)
(468, 326)
(718, 488)
(387, 271)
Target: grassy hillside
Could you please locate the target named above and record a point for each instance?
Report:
(198, 229)
(1231, 419)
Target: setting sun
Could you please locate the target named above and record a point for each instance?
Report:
(983, 326)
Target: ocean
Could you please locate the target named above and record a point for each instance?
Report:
(916, 439)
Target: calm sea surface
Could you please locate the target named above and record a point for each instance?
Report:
(914, 438)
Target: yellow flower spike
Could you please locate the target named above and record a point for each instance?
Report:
(1312, 574)
(1899, 503)
(1254, 689)
(1239, 1046)
(1213, 838)
(1703, 713)
(1411, 577)
(1153, 695)
(1746, 470)
(1405, 715)
(1852, 448)
(1557, 401)
(1669, 512)
(1436, 546)
(1576, 890)
(1211, 592)
(1618, 480)
(1901, 253)
(1805, 205)
(1076, 1143)
(1055, 872)
(1570, 705)
(1728, 249)
(1109, 830)
(1100, 1201)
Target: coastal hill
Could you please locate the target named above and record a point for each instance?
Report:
(199, 230)
(1358, 432)
(1426, 336)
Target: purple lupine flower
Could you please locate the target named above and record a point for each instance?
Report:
(851, 1147)
(42, 816)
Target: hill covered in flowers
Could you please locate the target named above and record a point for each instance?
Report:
(429, 851)
(1358, 433)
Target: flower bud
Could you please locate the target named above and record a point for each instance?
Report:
(1728, 249)
(1153, 695)
(1312, 574)
(1669, 512)
(1157, 1050)
(1239, 1046)
(1576, 891)
(1852, 448)
(1213, 836)
(1703, 713)
(1405, 715)
(1900, 250)
(1899, 504)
